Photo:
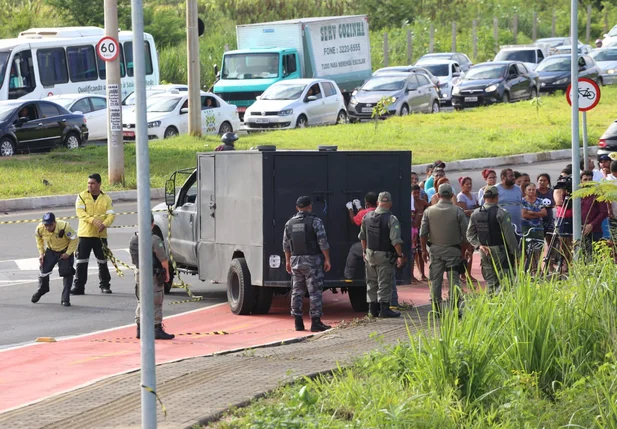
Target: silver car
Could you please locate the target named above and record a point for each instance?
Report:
(409, 92)
(606, 59)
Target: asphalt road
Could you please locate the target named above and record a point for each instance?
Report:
(22, 321)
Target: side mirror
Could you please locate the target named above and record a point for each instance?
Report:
(216, 69)
(258, 97)
(78, 112)
(311, 98)
(22, 120)
(184, 110)
(456, 74)
(170, 193)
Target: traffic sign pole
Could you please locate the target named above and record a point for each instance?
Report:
(576, 177)
(585, 155)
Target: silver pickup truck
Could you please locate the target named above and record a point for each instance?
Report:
(228, 216)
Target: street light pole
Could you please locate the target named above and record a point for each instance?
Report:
(192, 39)
(576, 177)
(115, 144)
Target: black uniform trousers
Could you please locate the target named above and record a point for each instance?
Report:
(65, 269)
(85, 246)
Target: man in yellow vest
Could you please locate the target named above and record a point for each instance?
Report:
(96, 213)
(61, 242)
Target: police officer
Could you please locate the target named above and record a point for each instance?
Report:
(229, 140)
(380, 234)
(61, 242)
(96, 213)
(304, 241)
(490, 229)
(160, 266)
(445, 225)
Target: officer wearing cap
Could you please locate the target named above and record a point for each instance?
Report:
(229, 140)
(380, 234)
(304, 242)
(56, 241)
(445, 226)
(490, 229)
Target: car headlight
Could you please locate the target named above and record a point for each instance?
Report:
(444, 85)
(353, 101)
(491, 88)
(286, 112)
(154, 124)
(456, 90)
(561, 81)
(611, 71)
(393, 100)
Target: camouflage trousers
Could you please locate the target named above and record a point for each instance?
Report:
(445, 259)
(379, 276)
(159, 294)
(306, 275)
(494, 267)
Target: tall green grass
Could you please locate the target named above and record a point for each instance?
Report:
(540, 354)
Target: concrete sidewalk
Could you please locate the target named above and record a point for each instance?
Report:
(198, 390)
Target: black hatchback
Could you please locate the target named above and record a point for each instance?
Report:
(608, 140)
(32, 125)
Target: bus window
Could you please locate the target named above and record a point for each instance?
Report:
(128, 48)
(52, 66)
(82, 63)
(21, 81)
(102, 64)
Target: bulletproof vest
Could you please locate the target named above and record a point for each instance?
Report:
(378, 232)
(487, 225)
(134, 251)
(303, 236)
(443, 225)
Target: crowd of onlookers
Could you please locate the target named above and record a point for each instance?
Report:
(539, 210)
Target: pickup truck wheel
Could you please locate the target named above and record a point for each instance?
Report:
(169, 284)
(357, 298)
(263, 299)
(239, 289)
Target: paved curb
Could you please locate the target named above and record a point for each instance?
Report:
(525, 158)
(36, 203)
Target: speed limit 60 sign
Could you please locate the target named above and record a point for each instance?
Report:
(107, 49)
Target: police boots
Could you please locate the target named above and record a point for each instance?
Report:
(318, 326)
(299, 323)
(386, 313)
(160, 334)
(373, 309)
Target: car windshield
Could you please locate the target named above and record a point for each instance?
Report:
(428, 58)
(6, 111)
(525, 56)
(393, 69)
(250, 66)
(555, 65)
(64, 102)
(283, 92)
(163, 104)
(130, 99)
(384, 83)
(4, 59)
(485, 72)
(605, 55)
(438, 69)
(613, 31)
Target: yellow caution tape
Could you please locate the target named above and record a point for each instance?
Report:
(45, 340)
(151, 390)
(115, 261)
(12, 222)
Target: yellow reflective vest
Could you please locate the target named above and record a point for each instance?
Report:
(63, 237)
(88, 209)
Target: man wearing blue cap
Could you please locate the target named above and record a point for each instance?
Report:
(56, 241)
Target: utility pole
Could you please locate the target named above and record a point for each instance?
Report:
(115, 144)
(576, 202)
(146, 292)
(192, 43)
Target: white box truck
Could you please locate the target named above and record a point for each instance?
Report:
(336, 48)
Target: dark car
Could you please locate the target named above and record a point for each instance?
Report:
(30, 125)
(495, 82)
(608, 140)
(554, 72)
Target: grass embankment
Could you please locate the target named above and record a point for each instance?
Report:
(485, 132)
(540, 355)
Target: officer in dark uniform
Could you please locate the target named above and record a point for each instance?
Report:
(229, 140)
(380, 235)
(304, 242)
(160, 265)
(490, 229)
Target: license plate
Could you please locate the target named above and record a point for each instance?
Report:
(471, 98)
(367, 110)
(262, 121)
(128, 133)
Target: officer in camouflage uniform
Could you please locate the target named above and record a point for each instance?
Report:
(490, 229)
(160, 266)
(380, 235)
(445, 226)
(304, 241)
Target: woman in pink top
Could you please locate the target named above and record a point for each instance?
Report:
(468, 202)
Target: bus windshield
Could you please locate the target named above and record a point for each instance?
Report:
(250, 66)
(4, 59)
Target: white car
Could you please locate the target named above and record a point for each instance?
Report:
(168, 116)
(448, 72)
(297, 103)
(93, 107)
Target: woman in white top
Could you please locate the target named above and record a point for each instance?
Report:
(468, 202)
